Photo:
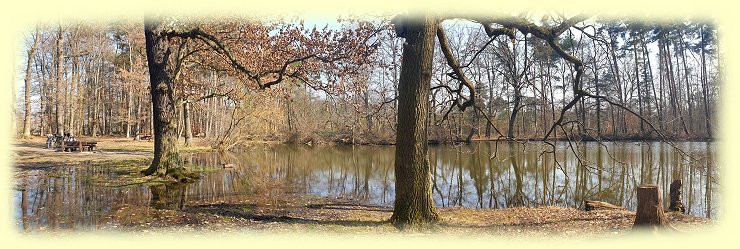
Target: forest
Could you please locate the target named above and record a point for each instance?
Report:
(566, 101)
(666, 73)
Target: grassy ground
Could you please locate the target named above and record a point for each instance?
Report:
(310, 214)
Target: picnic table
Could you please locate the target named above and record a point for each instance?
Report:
(78, 145)
(143, 137)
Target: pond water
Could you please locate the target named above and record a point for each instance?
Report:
(481, 175)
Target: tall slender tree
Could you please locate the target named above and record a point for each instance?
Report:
(27, 93)
(58, 80)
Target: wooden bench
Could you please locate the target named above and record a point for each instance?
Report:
(78, 146)
(143, 137)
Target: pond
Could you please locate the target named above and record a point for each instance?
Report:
(481, 175)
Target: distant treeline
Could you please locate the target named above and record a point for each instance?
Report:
(92, 79)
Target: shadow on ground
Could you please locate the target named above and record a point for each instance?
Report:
(252, 212)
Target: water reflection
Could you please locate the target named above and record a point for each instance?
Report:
(168, 196)
(66, 197)
(483, 175)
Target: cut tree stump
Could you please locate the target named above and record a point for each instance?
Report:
(675, 194)
(649, 207)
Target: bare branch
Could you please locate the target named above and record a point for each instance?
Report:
(452, 62)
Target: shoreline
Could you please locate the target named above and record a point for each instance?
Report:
(312, 214)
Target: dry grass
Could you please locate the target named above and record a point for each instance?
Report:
(352, 218)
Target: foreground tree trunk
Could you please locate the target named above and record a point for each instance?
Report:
(649, 207)
(161, 63)
(414, 205)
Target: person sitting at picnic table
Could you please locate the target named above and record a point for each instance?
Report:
(70, 137)
(50, 139)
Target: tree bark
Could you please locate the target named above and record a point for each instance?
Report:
(161, 63)
(675, 194)
(414, 205)
(649, 207)
(27, 96)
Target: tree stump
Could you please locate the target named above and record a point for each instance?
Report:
(675, 194)
(649, 207)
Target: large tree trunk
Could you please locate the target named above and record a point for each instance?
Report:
(414, 204)
(161, 62)
(27, 96)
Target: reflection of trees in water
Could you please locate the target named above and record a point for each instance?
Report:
(520, 175)
(72, 197)
(517, 199)
(24, 208)
(710, 180)
(168, 196)
(463, 175)
(361, 173)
